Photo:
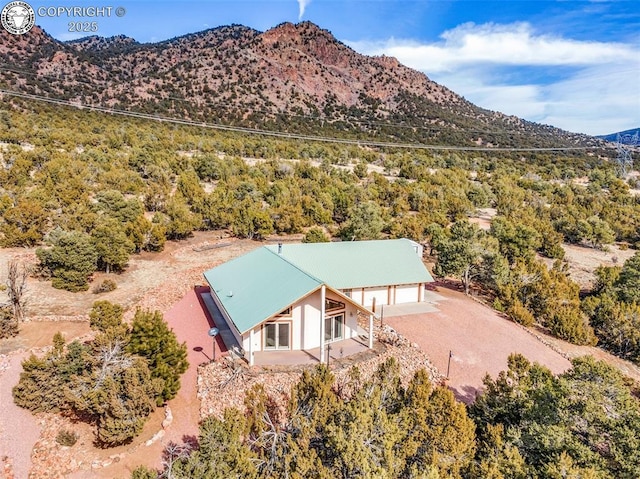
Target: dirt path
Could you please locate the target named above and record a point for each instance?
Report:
(19, 429)
(40, 334)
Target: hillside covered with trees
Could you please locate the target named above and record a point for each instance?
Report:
(584, 423)
(290, 79)
(89, 197)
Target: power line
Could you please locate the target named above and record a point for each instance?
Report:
(276, 134)
(226, 106)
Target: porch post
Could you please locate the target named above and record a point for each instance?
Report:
(371, 331)
(323, 293)
(251, 347)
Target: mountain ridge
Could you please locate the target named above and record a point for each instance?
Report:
(293, 77)
(626, 137)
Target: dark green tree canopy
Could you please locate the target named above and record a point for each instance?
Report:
(152, 339)
(70, 260)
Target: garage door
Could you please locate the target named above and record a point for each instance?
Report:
(380, 294)
(407, 293)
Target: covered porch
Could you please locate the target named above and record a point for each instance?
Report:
(345, 330)
(335, 350)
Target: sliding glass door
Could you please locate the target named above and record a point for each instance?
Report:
(334, 328)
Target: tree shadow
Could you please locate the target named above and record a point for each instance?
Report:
(466, 394)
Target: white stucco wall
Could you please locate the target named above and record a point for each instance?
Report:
(295, 320)
(305, 324)
(394, 294)
(310, 327)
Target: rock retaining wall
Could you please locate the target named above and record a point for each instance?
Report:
(224, 384)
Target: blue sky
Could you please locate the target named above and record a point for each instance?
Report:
(571, 64)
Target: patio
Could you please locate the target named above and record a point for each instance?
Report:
(337, 350)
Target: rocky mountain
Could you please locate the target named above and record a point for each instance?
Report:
(295, 78)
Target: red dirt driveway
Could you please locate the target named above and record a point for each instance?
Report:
(479, 339)
(190, 321)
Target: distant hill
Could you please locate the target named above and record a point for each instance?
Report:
(626, 137)
(294, 78)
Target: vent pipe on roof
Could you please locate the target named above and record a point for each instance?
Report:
(279, 248)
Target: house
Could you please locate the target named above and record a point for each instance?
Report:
(306, 296)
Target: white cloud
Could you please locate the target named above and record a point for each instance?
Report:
(599, 100)
(302, 5)
(599, 93)
(512, 44)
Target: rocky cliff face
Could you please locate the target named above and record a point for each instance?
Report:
(289, 78)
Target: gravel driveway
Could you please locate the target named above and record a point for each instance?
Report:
(479, 339)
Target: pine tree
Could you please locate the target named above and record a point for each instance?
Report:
(152, 339)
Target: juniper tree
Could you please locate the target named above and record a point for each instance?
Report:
(71, 260)
(152, 339)
(315, 235)
(119, 392)
(112, 245)
(221, 454)
(105, 315)
(45, 383)
(628, 283)
(466, 253)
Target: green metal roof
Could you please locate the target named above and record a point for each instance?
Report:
(258, 285)
(358, 264)
(262, 283)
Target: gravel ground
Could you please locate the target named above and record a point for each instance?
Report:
(224, 384)
(478, 337)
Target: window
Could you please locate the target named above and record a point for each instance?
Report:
(276, 335)
(332, 305)
(347, 292)
(334, 328)
(285, 312)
